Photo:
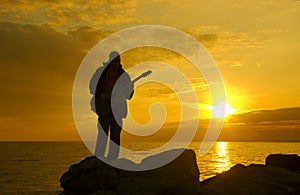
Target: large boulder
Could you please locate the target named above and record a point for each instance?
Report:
(92, 176)
(289, 162)
(252, 179)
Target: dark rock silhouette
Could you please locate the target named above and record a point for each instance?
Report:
(91, 176)
(289, 162)
(252, 179)
(181, 176)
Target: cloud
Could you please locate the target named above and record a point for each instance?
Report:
(39, 48)
(34, 57)
(267, 116)
(281, 124)
(69, 14)
(229, 49)
(261, 125)
(38, 66)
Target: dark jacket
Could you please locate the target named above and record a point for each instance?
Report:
(106, 101)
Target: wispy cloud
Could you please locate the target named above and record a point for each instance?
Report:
(267, 116)
(69, 14)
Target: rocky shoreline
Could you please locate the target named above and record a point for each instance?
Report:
(279, 175)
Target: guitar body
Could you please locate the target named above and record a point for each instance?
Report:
(102, 105)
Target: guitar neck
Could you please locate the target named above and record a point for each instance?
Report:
(145, 74)
(137, 78)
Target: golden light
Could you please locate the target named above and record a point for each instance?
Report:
(222, 148)
(221, 151)
(218, 110)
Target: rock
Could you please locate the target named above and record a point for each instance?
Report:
(289, 162)
(181, 176)
(252, 179)
(91, 176)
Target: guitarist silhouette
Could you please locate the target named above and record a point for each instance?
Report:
(102, 103)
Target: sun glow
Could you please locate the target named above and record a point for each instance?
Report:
(218, 110)
(222, 157)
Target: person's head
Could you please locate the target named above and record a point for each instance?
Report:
(114, 59)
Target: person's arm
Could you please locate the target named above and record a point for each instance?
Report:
(132, 90)
(94, 80)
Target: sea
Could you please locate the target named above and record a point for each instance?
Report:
(36, 167)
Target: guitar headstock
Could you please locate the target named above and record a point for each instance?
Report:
(147, 73)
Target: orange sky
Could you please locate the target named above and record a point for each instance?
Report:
(255, 44)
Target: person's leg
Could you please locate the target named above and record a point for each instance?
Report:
(103, 127)
(115, 132)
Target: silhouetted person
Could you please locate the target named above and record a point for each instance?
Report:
(110, 103)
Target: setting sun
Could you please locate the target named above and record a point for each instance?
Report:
(218, 110)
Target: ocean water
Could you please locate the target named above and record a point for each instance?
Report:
(36, 167)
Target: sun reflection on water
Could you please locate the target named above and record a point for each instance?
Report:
(222, 157)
